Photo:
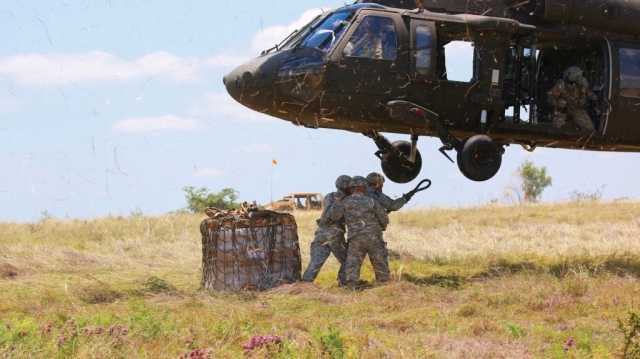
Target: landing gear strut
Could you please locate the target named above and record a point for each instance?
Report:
(401, 161)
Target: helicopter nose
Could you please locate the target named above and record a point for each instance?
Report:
(234, 85)
(249, 85)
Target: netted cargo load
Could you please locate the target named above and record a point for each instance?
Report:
(249, 249)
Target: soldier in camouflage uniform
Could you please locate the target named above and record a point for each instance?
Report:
(569, 97)
(329, 237)
(374, 190)
(365, 219)
(375, 182)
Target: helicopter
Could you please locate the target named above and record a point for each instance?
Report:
(320, 77)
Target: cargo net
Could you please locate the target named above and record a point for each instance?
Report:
(249, 249)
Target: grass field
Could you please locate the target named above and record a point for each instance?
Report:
(532, 281)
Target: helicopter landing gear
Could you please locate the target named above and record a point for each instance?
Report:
(401, 161)
(479, 158)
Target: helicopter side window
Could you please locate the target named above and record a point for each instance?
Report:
(630, 72)
(375, 38)
(423, 50)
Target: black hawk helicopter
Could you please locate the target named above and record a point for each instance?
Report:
(381, 66)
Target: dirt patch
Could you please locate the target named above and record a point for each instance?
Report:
(8, 270)
(97, 294)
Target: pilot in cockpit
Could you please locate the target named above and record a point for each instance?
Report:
(366, 41)
(389, 42)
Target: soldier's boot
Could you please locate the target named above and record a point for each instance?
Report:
(352, 284)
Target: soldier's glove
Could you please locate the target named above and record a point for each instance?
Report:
(407, 196)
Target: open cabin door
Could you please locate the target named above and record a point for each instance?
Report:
(443, 70)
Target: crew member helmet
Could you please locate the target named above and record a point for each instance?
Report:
(358, 181)
(343, 181)
(375, 177)
(573, 74)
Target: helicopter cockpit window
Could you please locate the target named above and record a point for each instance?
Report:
(325, 36)
(630, 72)
(295, 36)
(423, 50)
(374, 38)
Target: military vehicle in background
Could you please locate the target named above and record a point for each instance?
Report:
(297, 201)
(386, 66)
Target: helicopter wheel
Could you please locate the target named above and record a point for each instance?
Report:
(393, 167)
(479, 158)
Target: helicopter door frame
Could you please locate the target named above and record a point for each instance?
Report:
(623, 109)
(356, 75)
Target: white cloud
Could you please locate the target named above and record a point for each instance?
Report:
(208, 172)
(151, 124)
(221, 105)
(225, 60)
(269, 37)
(39, 69)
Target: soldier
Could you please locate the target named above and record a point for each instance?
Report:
(366, 41)
(329, 237)
(374, 190)
(365, 219)
(569, 96)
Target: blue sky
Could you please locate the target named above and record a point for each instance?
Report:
(112, 107)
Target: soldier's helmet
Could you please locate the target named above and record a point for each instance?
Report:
(375, 178)
(358, 181)
(343, 181)
(573, 74)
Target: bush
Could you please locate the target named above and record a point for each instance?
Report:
(199, 199)
(534, 181)
(594, 196)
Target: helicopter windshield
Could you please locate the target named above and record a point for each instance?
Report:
(327, 34)
(296, 35)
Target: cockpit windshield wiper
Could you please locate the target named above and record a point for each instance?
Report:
(277, 47)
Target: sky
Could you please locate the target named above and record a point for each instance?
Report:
(111, 108)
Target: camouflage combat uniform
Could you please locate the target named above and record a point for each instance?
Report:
(329, 238)
(365, 219)
(390, 205)
(569, 101)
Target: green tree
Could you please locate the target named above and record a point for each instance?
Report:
(199, 199)
(534, 180)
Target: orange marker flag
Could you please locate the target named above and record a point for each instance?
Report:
(273, 160)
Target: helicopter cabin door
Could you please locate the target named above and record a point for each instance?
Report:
(366, 67)
(443, 70)
(624, 120)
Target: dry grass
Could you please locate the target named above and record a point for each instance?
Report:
(485, 282)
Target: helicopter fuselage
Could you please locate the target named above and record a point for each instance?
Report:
(404, 79)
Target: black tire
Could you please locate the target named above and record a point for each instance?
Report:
(479, 158)
(393, 168)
